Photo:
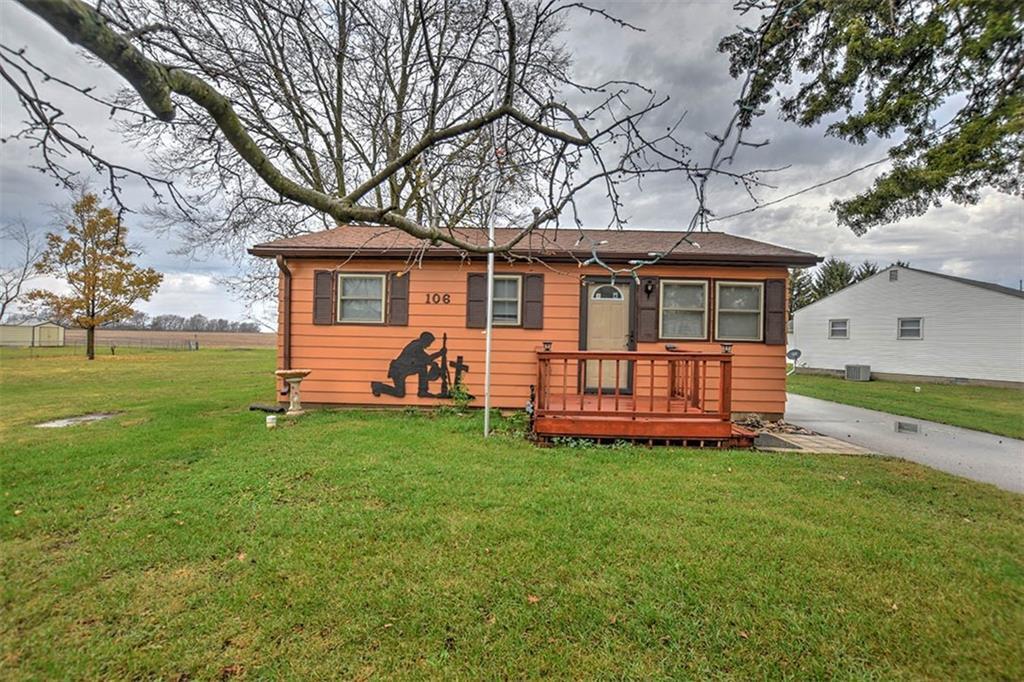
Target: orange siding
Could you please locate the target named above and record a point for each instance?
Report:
(345, 358)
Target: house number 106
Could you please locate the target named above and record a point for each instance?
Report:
(439, 298)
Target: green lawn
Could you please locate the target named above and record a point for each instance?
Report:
(985, 408)
(183, 540)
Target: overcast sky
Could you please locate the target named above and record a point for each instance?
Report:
(677, 56)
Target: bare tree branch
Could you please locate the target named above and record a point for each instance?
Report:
(276, 117)
(22, 255)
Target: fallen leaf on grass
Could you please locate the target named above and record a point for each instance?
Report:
(613, 620)
(744, 634)
(17, 512)
(532, 598)
(240, 556)
(234, 670)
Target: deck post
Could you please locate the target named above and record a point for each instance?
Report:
(695, 384)
(725, 389)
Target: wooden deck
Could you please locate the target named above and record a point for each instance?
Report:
(650, 397)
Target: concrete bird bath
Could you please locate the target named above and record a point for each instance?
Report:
(293, 377)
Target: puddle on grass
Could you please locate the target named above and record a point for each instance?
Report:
(72, 421)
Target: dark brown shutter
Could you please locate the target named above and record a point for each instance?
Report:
(533, 301)
(476, 301)
(647, 296)
(398, 299)
(775, 311)
(323, 297)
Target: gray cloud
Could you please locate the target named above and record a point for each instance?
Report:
(677, 55)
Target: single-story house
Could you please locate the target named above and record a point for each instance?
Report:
(32, 333)
(915, 324)
(383, 319)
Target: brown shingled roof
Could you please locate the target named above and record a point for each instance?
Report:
(563, 245)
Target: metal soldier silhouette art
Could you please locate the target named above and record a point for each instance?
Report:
(428, 367)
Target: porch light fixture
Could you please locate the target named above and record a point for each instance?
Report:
(547, 345)
(649, 287)
(727, 348)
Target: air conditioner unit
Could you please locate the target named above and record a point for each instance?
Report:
(858, 372)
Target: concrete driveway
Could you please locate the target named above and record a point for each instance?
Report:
(972, 454)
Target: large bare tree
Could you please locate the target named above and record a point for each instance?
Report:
(267, 118)
(19, 266)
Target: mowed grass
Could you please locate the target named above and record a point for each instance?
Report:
(984, 408)
(184, 540)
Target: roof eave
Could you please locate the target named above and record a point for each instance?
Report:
(789, 260)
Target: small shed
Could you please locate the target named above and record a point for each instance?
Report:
(32, 333)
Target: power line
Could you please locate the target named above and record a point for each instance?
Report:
(801, 191)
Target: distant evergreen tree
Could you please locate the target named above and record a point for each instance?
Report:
(901, 264)
(865, 270)
(801, 289)
(834, 274)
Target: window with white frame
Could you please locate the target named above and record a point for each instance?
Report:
(910, 328)
(507, 300)
(684, 307)
(739, 307)
(361, 298)
(838, 329)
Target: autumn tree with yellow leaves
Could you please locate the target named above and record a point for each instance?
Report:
(93, 258)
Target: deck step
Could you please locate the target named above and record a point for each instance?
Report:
(612, 426)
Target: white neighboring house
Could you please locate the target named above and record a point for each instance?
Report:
(35, 333)
(915, 323)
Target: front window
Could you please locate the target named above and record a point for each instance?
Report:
(506, 300)
(838, 329)
(738, 306)
(910, 328)
(684, 310)
(361, 299)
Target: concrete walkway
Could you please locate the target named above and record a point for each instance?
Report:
(972, 454)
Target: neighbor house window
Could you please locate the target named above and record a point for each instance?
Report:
(361, 298)
(507, 290)
(684, 307)
(838, 329)
(738, 310)
(910, 328)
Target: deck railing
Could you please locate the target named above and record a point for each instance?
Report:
(634, 384)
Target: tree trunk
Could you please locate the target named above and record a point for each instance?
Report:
(90, 343)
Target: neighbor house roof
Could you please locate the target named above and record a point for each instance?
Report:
(565, 244)
(999, 288)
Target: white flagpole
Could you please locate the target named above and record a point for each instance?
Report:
(490, 275)
(490, 313)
